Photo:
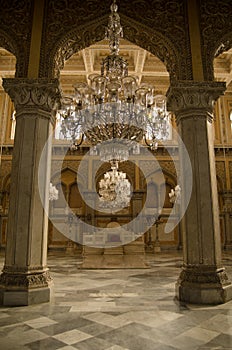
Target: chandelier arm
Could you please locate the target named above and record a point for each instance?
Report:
(78, 144)
(148, 144)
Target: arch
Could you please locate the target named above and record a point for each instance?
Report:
(75, 198)
(88, 34)
(10, 44)
(167, 175)
(167, 203)
(221, 45)
(59, 203)
(6, 182)
(58, 174)
(152, 188)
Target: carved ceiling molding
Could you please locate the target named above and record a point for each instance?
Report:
(85, 36)
(15, 33)
(216, 31)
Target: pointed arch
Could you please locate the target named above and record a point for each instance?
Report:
(219, 46)
(9, 43)
(88, 34)
(58, 175)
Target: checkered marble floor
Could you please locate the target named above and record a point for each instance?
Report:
(116, 310)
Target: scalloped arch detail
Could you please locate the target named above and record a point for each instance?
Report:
(87, 35)
(11, 45)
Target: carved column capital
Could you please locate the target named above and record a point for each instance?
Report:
(193, 99)
(29, 95)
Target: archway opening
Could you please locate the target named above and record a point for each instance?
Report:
(7, 122)
(223, 143)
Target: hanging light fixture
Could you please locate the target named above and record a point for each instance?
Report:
(112, 111)
(114, 189)
(53, 192)
(175, 195)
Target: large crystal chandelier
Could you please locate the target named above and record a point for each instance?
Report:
(114, 189)
(112, 110)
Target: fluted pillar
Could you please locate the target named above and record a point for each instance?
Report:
(25, 278)
(203, 278)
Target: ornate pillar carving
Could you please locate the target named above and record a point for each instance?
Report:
(227, 210)
(203, 278)
(25, 278)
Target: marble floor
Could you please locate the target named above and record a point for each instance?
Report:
(116, 310)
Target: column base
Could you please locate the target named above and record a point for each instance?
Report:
(22, 289)
(203, 286)
(25, 298)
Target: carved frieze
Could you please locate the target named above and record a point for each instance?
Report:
(203, 275)
(30, 93)
(23, 281)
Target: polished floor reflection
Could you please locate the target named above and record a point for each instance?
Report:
(116, 310)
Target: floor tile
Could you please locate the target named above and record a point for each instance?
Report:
(46, 344)
(72, 337)
(40, 322)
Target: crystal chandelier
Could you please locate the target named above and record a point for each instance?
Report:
(114, 189)
(53, 192)
(175, 195)
(113, 109)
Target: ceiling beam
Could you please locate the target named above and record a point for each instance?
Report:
(139, 64)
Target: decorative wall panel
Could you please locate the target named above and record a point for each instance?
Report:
(15, 31)
(216, 31)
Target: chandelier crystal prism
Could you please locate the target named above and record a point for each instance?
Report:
(112, 108)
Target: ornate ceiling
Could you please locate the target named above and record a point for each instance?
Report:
(148, 68)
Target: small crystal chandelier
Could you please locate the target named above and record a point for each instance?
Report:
(114, 189)
(53, 192)
(175, 195)
(113, 107)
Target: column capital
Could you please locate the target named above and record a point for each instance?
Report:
(189, 98)
(30, 94)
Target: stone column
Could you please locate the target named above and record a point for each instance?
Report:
(203, 278)
(227, 209)
(25, 278)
